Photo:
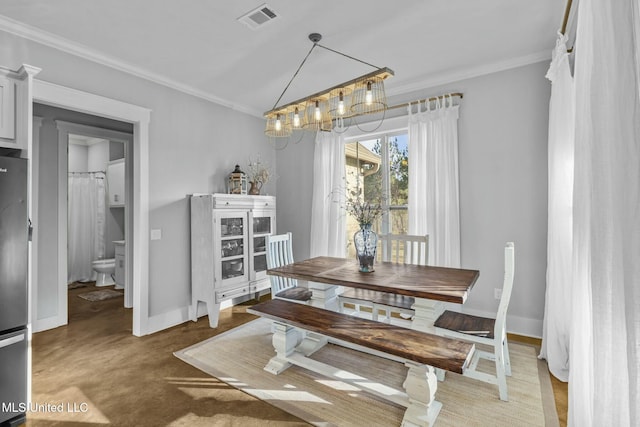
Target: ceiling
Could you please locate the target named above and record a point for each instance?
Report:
(199, 46)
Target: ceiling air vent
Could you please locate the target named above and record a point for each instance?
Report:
(258, 17)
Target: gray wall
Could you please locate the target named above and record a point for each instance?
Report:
(193, 145)
(503, 187)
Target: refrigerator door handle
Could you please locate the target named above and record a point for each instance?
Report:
(8, 341)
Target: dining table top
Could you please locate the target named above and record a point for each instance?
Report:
(418, 281)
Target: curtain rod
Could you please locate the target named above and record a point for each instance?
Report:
(565, 21)
(433, 98)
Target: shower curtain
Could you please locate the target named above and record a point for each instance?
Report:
(86, 224)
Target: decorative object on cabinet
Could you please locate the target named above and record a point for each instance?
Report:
(237, 182)
(258, 175)
(115, 181)
(228, 248)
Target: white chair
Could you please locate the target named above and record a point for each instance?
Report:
(280, 253)
(400, 248)
(481, 330)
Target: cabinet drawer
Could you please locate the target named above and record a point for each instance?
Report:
(226, 294)
(260, 285)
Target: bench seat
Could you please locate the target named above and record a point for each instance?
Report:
(420, 352)
(420, 347)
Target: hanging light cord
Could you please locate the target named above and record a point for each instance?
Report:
(348, 56)
(315, 43)
(294, 75)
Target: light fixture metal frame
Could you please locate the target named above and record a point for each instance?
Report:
(286, 110)
(383, 73)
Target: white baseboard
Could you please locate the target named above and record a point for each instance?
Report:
(180, 315)
(52, 322)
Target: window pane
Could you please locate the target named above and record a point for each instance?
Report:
(379, 169)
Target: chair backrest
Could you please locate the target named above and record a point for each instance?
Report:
(403, 248)
(280, 253)
(507, 286)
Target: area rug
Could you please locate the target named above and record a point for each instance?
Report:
(101, 295)
(238, 357)
(76, 285)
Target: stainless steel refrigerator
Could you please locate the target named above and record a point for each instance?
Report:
(14, 225)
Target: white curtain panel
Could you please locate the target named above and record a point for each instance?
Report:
(557, 315)
(327, 213)
(434, 206)
(86, 226)
(604, 382)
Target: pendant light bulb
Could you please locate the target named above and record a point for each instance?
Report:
(318, 114)
(341, 104)
(296, 118)
(368, 98)
(278, 124)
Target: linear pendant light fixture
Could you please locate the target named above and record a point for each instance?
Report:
(326, 109)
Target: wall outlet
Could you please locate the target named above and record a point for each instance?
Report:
(497, 293)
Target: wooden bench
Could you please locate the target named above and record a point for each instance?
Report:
(419, 351)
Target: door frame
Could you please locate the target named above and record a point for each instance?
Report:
(84, 102)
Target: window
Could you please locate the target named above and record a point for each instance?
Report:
(380, 166)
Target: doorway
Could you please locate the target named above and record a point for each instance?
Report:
(138, 118)
(51, 149)
(97, 209)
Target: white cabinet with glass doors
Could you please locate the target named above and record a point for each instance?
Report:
(228, 248)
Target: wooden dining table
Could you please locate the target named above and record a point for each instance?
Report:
(431, 286)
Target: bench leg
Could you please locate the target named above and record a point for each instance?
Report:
(285, 339)
(311, 343)
(421, 385)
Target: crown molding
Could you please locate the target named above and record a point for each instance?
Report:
(447, 77)
(37, 35)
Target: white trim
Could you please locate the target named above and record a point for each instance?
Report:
(34, 164)
(94, 132)
(72, 99)
(60, 43)
(180, 315)
(48, 39)
(45, 324)
(63, 223)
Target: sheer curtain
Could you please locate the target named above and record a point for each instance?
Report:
(604, 382)
(557, 316)
(327, 213)
(434, 206)
(86, 225)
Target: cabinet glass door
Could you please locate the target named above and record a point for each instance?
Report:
(261, 229)
(232, 247)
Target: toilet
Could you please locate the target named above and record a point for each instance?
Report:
(105, 268)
